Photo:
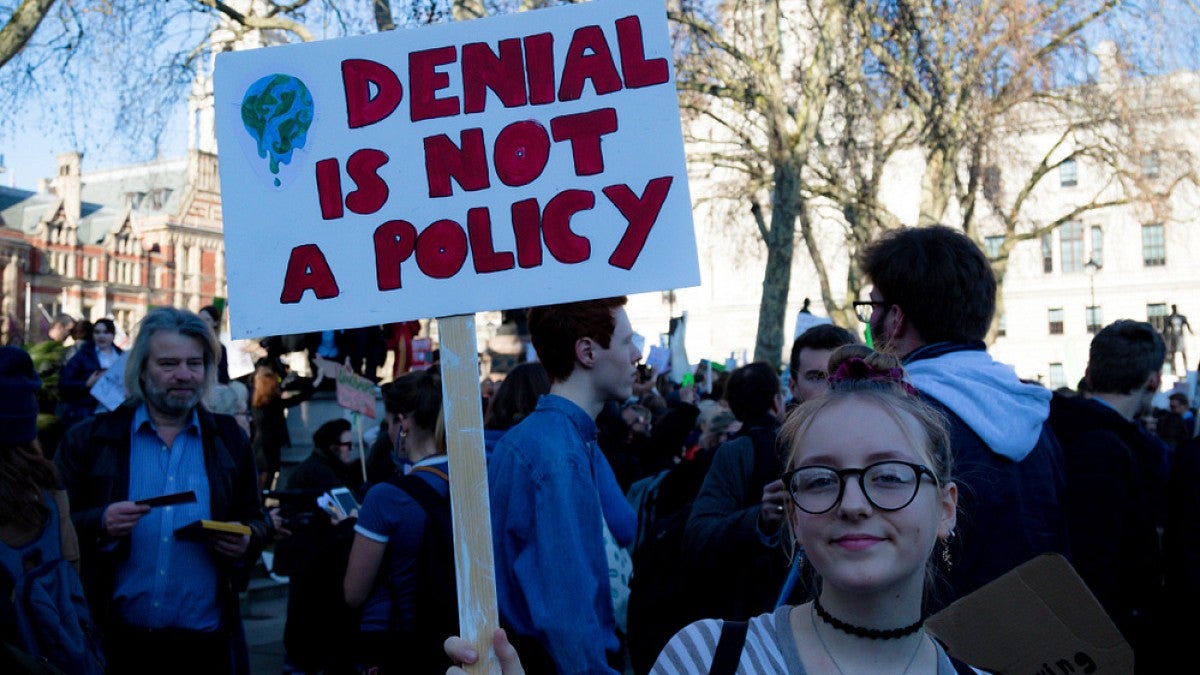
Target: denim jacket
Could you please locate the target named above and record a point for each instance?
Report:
(551, 567)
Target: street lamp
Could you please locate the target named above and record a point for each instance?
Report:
(1092, 267)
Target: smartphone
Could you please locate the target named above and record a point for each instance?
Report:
(345, 499)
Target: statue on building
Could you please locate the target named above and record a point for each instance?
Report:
(1173, 329)
(10, 325)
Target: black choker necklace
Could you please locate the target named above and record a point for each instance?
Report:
(859, 631)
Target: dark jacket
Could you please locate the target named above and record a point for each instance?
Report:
(1115, 474)
(75, 400)
(94, 464)
(1009, 511)
(320, 625)
(722, 536)
(1181, 543)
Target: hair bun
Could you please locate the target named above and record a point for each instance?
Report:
(854, 364)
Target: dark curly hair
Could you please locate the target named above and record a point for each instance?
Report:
(329, 434)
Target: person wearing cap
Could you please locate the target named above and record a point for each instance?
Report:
(29, 485)
(165, 602)
(19, 384)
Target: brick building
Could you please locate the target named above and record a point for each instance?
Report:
(110, 243)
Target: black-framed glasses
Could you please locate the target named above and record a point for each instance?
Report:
(865, 308)
(889, 485)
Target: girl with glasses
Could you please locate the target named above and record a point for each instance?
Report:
(872, 508)
(872, 502)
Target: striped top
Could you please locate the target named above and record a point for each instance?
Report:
(769, 648)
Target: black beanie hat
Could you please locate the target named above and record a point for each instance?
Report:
(19, 385)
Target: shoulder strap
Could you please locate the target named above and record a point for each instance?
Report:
(437, 514)
(961, 667)
(68, 541)
(729, 648)
(424, 493)
(433, 470)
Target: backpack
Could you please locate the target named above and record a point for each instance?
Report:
(437, 594)
(662, 588)
(43, 606)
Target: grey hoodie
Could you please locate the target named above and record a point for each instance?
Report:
(1005, 412)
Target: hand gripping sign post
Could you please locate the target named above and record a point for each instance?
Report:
(518, 160)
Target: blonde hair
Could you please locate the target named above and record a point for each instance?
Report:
(861, 373)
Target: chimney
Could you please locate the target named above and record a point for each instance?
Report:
(68, 185)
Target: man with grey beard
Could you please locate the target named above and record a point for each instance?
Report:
(1116, 477)
(165, 600)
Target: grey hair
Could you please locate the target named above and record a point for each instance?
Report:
(177, 321)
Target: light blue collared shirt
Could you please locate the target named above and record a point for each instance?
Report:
(167, 583)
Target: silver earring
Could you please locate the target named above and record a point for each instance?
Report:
(946, 561)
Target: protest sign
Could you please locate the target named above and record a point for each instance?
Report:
(659, 359)
(513, 161)
(451, 169)
(805, 320)
(422, 354)
(355, 392)
(1038, 618)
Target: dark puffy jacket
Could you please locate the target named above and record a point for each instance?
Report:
(1115, 481)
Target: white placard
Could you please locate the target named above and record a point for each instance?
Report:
(805, 320)
(659, 359)
(109, 390)
(516, 160)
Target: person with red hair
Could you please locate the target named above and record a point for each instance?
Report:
(548, 522)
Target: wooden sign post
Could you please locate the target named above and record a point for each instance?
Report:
(469, 497)
(513, 161)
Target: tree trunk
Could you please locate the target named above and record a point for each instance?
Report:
(1000, 268)
(772, 308)
(937, 186)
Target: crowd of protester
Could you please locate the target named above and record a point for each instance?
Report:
(811, 518)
